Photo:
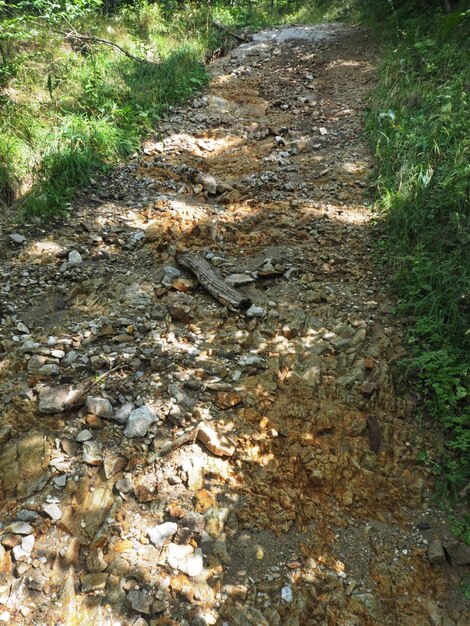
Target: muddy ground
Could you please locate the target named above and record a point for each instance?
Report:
(296, 495)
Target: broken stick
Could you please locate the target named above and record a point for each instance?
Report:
(212, 282)
(221, 27)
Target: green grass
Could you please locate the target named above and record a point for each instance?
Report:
(418, 125)
(67, 113)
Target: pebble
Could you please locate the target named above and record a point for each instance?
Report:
(53, 510)
(159, 534)
(92, 453)
(139, 601)
(255, 311)
(74, 258)
(84, 435)
(17, 238)
(19, 528)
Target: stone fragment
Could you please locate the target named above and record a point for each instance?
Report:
(139, 421)
(84, 435)
(19, 528)
(368, 388)
(436, 554)
(54, 399)
(238, 280)
(122, 413)
(101, 407)
(255, 311)
(17, 238)
(22, 328)
(186, 559)
(92, 453)
(218, 445)
(53, 510)
(94, 582)
(74, 258)
(36, 580)
(208, 182)
(139, 601)
(159, 534)
(458, 553)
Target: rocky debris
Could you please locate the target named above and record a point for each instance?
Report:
(227, 467)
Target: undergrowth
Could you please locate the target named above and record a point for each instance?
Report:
(418, 125)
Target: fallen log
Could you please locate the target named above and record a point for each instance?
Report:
(212, 282)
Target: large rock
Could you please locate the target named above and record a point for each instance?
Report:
(139, 421)
(54, 399)
(458, 553)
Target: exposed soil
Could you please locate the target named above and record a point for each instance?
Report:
(304, 502)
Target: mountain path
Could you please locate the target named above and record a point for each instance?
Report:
(298, 496)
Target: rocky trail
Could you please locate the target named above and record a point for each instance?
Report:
(166, 460)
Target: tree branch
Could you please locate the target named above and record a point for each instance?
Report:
(98, 40)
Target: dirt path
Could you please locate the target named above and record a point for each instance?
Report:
(303, 501)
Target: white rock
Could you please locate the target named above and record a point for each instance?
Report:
(286, 593)
(53, 510)
(139, 421)
(255, 311)
(237, 280)
(53, 399)
(20, 528)
(160, 533)
(17, 238)
(100, 407)
(28, 543)
(22, 328)
(92, 453)
(185, 559)
(75, 258)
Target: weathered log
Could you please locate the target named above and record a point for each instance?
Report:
(212, 282)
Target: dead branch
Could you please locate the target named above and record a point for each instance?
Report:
(76, 36)
(79, 394)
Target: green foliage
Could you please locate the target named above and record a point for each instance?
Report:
(418, 124)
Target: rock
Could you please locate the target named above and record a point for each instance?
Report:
(101, 407)
(458, 553)
(19, 528)
(218, 445)
(227, 399)
(60, 481)
(124, 485)
(237, 615)
(436, 554)
(92, 453)
(159, 534)
(255, 311)
(286, 594)
(139, 421)
(17, 238)
(23, 550)
(95, 561)
(238, 280)
(54, 399)
(84, 435)
(49, 369)
(122, 413)
(139, 601)
(22, 328)
(74, 258)
(53, 510)
(208, 182)
(94, 582)
(186, 559)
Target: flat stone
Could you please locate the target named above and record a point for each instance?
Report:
(159, 534)
(218, 445)
(101, 407)
(53, 399)
(19, 528)
(139, 421)
(53, 510)
(94, 582)
(238, 280)
(17, 238)
(84, 435)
